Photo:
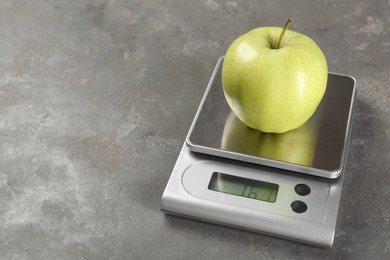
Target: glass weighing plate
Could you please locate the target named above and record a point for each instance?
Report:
(317, 148)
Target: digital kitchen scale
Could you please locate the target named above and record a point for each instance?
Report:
(286, 185)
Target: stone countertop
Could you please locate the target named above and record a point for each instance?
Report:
(96, 98)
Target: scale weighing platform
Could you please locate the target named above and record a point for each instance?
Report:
(286, 185)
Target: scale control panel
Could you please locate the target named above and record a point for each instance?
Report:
(258, 190)
(253, 197)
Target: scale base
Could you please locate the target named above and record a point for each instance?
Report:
(180, 199)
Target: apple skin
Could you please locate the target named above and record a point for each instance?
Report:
(274, 90)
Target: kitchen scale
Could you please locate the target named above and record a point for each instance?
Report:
(286, 185)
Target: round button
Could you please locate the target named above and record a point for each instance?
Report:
(302, 189)
(298, 206)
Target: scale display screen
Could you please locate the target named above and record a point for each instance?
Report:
(243, 187)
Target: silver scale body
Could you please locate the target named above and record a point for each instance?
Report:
(187, 193)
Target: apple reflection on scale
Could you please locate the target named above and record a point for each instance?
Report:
(285, 185)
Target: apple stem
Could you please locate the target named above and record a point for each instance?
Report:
(289, 21)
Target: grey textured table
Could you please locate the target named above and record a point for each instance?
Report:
(96, 98)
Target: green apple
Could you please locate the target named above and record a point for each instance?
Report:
(274, 78)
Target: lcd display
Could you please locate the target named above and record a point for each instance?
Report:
(243, 187)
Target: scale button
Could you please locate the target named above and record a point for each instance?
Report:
(298, 206)
(302, 189)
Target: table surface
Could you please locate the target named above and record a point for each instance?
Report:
(96, 98)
